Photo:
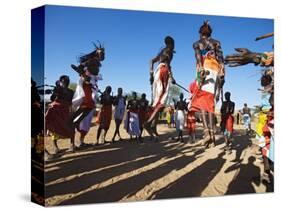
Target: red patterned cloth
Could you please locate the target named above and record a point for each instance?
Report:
(58, 119)
(105, 116)
(229, 123)
(88, 101)
(201, 100)
(143, 116)
(191, 122)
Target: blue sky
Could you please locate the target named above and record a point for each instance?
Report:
(132, 38)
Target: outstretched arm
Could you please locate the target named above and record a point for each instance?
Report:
(243, 57)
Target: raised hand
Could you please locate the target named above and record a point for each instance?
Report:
(243, 57)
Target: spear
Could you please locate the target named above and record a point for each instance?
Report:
(264, 36)
(180, 86)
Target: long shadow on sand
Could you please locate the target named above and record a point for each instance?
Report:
(131, 185)
(193, 183)
(243, 182)
(126, 154)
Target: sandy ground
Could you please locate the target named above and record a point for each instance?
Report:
(132, 171)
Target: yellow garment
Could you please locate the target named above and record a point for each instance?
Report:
(262, 118)
(168, 117)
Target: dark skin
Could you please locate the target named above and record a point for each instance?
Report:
(64, 94)
(243, 57)
(105, 99)
(118, 121)
(143, 108)
(133, 104)
(181, 105)
(206, 43)
(165, 56)
(90, 61)
(247, 110)
(89, 65)
(227, 109)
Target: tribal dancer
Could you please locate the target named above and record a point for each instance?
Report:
(143, 111)
(181, 108)
(209, 81)
(105, 114)
(84, 99)
(227, 110)
(58, 115)
(132, 123)
(119, 102)
(159, 80)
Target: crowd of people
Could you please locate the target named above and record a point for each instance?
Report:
(73, 111)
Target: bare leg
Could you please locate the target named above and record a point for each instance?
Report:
(226, 139)
(104, 135)
(206, 135)
(140, 137)
(82, 137)
(211, 128)
(204, 119)
(180, 136)
(57, 149)
(98, 134)
(72, 144)
(116, 130)
(193, 137)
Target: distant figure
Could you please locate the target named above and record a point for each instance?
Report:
(169, 116)
(191, 124)
(246, 113)
(105, 114)
(119, 102)
(181, 107)
(58, 115)
(143, 111)
(132, 123)
(227, 110)
(173, 117)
